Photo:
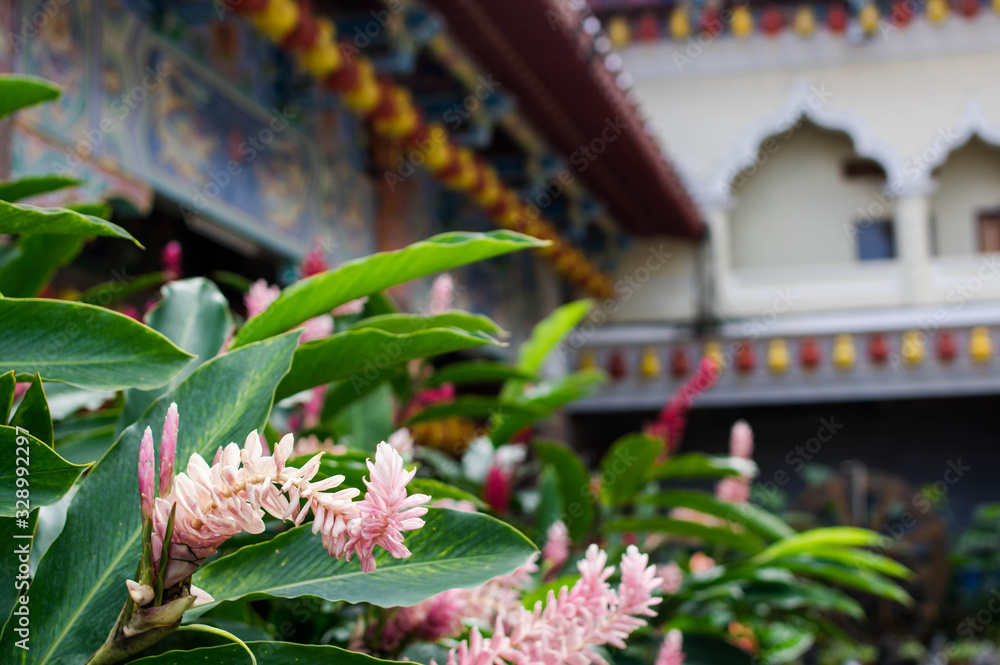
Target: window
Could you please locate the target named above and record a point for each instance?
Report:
(874, 240)
(989, 231)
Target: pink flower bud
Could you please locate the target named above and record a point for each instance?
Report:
(557, 544)
(497, 488)
(168, 449)
(670, 651)
(170, 256)
(741, 440)
(146, 474)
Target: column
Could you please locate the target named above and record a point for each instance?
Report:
(913, 246)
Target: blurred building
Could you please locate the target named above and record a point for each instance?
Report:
(846, 160)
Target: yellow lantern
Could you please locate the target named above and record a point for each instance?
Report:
(618, 31)
(649, 366)
(914, 348)
(805, 21)
(276, 19)
(778, 356)
(742, 21)
(868, 18)
(996, 6)
(980, 345)
(588, 360)
(713, 350)
(364, 96)
(322, 58)
(680, 24)
(937, 11)
(844, 355)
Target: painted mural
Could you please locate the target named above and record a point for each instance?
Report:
(204, 112)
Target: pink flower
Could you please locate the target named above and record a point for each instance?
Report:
(386, 511)
(168, 449)
(170, 257)
(318, 327)
(442, 295)
(672, 577)
(311, 445)
(146, 473)
(355, 306)
(313, 263)
(701, 562)
(672, 420)
(259, 297)
(734, 489)
(20, 388)
(556, 550)
(498, 486)
(460, 505)
(313, 409)
(402, 442)
(741, 440)
(132, 313)
(568, 627)
(671, 652)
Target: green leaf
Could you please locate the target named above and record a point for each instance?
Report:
(222, 401)
(799, 595)
(106, 293)
(194, 315)
(861, 580)
(477, 406)
(626, 466)
(33, 262)
(33, 414)
(746, 542)
(452, 550)
(477, 371)
(321, 293)
(574, 485)
(16, 534)
(548, 396)
(816, 540)
(752, 517)
(406, 323)
(267, 653)
(865, 560)
(343, 394)
(550, 333)
(7, 385)
(49, 475)
(34, 185)
(18, 92)
(22, 218)
(362, 356)
(90, 347)
(691, 466)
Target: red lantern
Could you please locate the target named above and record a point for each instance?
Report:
(710, 22)
(969, 8)
(878, 348)
(900, 13)
(617, 368)
(836, 19)
(746, 358)
(771, 22)
(810, 355)
(680, 363)
(649, 27)
(305, 32)
(344, 79)
(946, 347)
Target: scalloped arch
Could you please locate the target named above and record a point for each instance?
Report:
(973, 123)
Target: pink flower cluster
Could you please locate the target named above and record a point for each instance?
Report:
(557, 544)
(568, 627)
(670, 650)
(214, 503)
(670, 423)
(736, 489)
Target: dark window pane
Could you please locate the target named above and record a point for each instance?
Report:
(875, 240)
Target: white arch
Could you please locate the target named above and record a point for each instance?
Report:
(806, 101)
(973, 123)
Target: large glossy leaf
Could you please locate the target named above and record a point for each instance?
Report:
(574, 485)
(18, 534)
(477, 371)
(18, 92)
(21, 218)
(194, 315)
(49, 475)
(362, 356)
(321, 293)
(33, 414)
(752, 517)
(406, 323)
(106, 293)
(34, 185)
(7, 385)
(477, 406)
(86, 346)
(266, 653)
(33, 261)
(746, 542)
(547, 396)
(625, 467)
(862, 580)
(453, 550)
(817, 540)
(82, 576)
(699, 466)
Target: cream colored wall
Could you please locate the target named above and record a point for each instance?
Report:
(794, 208)
(966, 184)
(658, 281)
